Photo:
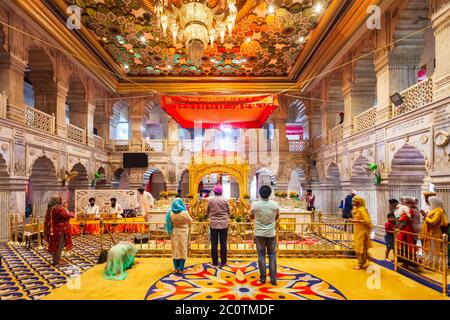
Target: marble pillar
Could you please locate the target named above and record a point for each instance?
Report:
(440, 18)
(12, 71)
(12, 201)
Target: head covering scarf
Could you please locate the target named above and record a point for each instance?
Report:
(435, 203)
(360, 201)
(218, 190)
(55, 200)
(177, 207)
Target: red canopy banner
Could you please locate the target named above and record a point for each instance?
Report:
(215, 111)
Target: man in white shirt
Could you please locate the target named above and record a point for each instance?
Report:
(115, 208)
(144, 202)
(92, 208)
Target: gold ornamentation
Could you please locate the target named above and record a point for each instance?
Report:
(4, 146)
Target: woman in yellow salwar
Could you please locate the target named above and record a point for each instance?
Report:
(434, 224)
(361, 231)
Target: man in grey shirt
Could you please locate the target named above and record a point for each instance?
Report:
(266, 212)
(218, 210)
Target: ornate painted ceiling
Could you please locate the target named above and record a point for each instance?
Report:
(262, 43)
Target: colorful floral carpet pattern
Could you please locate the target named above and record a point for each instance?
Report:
(27, 273)
(239, 281)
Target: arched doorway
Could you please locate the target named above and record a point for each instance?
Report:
(102, 183)
(76, 103)
(263, 176)
(214, 165)
(407, 173)
(297, 182)
(81, 181)
(331, 193)
(42, 185)
(362, 180)
(154, 182)
(39, 88)
(120, 179)
(184, 184)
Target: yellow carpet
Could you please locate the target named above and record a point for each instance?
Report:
(351, 283)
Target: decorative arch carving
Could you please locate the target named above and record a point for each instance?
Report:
(198, 171)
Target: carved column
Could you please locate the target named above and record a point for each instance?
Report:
(12, 201)
(440, 17)
(279, 119)
(12, 71)
(324, 110)
(136, 116)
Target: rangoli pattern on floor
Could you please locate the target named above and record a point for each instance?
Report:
(27, 273)
(238, 281)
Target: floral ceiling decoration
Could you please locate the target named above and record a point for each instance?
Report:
(265, 38)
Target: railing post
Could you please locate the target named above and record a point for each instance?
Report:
(40, 247)
(53, 124)
(16, 229)
(101, 234)
(395, 250)
(11, 228)
(444, 263)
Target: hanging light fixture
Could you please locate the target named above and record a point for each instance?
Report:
(198, 24)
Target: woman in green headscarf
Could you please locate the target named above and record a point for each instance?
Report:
(178, 222)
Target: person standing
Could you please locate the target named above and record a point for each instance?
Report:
(178, 222)
(348, 206)
(389, 228)
(361, 231)
(434, 225)
(407, 241)
(144, 203)
(266, 212)
(218, 210)
(310, 199)
(57, 228)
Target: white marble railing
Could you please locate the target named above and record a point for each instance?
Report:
(3, 104)
(365, 120)
(335, 134)
(76, 134)
(99, 142)
(39, 120)
(156, 145)
(415, 97)
(120, 145)
(297, 145)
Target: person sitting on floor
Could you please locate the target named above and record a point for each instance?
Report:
(92, 209)
(115, 208)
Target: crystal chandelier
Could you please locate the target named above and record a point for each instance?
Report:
(197, 24)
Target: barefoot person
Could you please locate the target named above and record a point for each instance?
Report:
(57, 228)
(266, 212)
(218, 210)
(178, 222)
(361, 230)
